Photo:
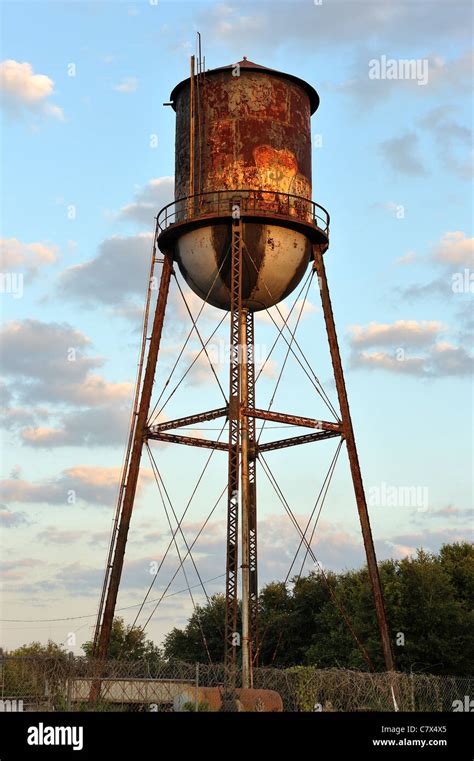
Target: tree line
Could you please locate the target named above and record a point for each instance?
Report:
(328, 620)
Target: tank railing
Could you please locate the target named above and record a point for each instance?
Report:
(231, 202)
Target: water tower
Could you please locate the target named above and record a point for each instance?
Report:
(243, 232)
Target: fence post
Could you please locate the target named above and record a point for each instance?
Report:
(47, 692)
(412, 685)
(196, 698)
(69, 681)
(439, 700)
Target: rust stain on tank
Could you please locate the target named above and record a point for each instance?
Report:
(253, 133)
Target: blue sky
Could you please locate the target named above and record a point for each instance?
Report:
(83, 86)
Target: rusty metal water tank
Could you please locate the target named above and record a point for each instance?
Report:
(243, 145)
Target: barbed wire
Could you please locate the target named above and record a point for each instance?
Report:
(63, 683)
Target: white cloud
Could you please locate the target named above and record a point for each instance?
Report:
(441, 76)
(452, 140)
(452, 253)
(407, 258)
(381, 360)
(11, 520)
(82, 483)
(455, 248)
(23, 90)
(447, 359)
(117, 276)
(455, 73)
(281, 313)
(17, 569)
(401, 153)
(15, 255)
(16, 417)
(116, 273)
(439, 358)
(148, 201)
(48, 362)
(53, 535)
(399, 333)
(242, 26)
(127, 85)
(97, 426)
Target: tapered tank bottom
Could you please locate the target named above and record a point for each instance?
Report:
(275, 259)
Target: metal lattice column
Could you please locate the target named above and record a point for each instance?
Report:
(234, 449)
(252, 488)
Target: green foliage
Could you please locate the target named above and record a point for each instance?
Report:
(37, 649)
(127, 643)
(99, 706)
(206, 623)
(190, 707)
(304, 689)
(35, 672)
(428, 600)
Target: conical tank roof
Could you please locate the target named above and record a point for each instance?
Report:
(251, 66)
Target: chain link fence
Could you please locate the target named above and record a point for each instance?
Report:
(66, 684)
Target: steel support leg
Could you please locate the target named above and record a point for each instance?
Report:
(348, 434)
(133, 467)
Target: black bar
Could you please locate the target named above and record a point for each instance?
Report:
(326, 735)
